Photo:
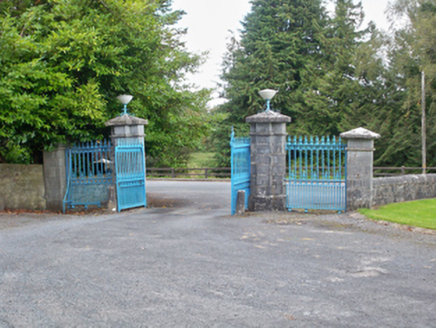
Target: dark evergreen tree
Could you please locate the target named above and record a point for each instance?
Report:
(412, 52)
(280, 42)
(333, 87)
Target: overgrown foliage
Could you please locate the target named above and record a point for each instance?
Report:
(62, 64)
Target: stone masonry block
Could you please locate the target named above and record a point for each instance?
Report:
(263, 180)
(263, 128)
(263, 140)
(263, 169)
(279, 128)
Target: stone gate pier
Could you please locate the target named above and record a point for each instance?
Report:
(268, 161)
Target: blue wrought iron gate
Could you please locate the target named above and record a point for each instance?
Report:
(89, 174)
(317, 174)
(240, 168)
(130, 174)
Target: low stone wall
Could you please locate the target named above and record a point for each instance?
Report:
(22, 187)
(403, 188)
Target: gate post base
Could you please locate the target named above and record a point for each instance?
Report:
(267, 203)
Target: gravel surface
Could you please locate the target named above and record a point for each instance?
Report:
(186, 263)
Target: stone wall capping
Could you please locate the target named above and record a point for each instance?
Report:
(126, 119)
(359, 133)
(127, 136)
(268, 117)
(360, 149)
(267, 134)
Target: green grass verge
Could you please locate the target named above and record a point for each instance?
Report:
(419, 213)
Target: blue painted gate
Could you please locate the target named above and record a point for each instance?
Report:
(89, 174)
(130, 174)
(240, 168)
(317, 174)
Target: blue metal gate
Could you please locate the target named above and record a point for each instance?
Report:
(130, 174)
(88, 174)
(317, 174)
(240, 168)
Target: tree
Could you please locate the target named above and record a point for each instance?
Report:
(411, 53)
(280, 40)
(333, 87)
(64, 62)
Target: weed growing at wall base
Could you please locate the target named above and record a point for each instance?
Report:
(420, 213)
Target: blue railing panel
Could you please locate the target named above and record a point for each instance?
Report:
(317, 170)
(130, 174)
(89, 174)
(240, 169)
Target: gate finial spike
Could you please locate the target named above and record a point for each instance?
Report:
(311, 140)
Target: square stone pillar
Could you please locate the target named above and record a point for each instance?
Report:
(268, 161)
(55, 177)
(360, 158)
(128, 129)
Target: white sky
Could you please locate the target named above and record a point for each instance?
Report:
(209, 22)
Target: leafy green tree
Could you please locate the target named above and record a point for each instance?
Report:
(64, 62)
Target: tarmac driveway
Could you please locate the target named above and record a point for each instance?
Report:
(187, 263)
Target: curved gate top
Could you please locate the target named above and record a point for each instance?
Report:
(317, 169)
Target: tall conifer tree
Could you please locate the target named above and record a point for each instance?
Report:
(280, 40)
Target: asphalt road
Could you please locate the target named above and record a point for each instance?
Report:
(187, 263)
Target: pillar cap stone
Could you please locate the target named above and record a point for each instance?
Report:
(268, 117)
(359, 133)
(126, 119)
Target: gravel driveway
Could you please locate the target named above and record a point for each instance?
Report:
(187, 263)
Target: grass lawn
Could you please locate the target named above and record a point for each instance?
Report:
(419, 213)
(201, 159)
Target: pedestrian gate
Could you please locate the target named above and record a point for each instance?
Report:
(317, 174)
(130, 174)
(240, 168)
(89, 174)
